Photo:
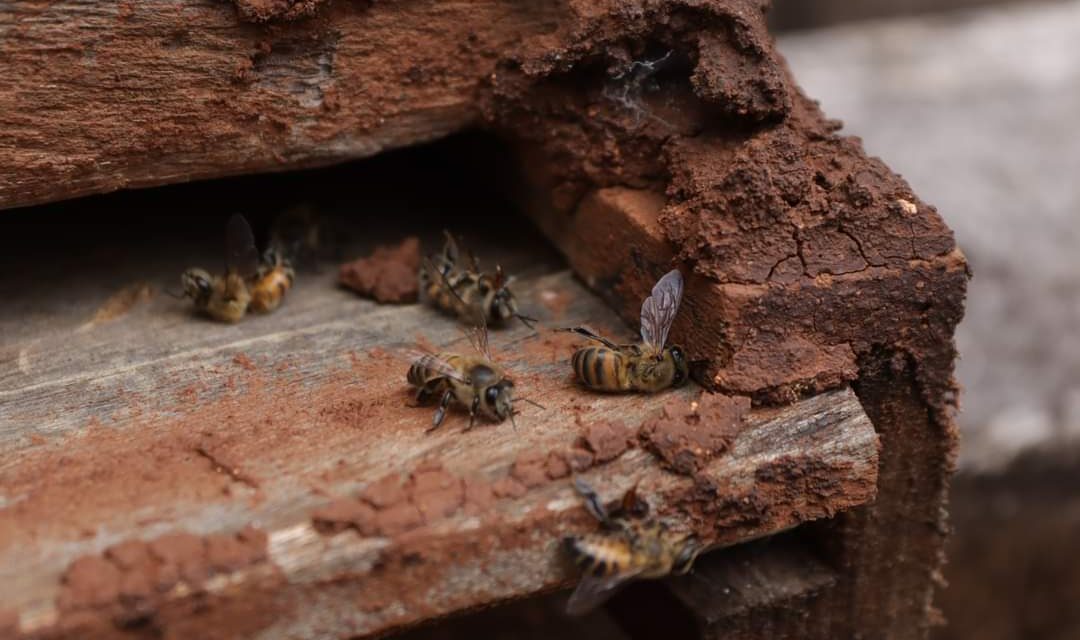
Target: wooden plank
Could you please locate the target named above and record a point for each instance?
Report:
(759, 575)
(824, 441)
(104, 96)
(751, 590)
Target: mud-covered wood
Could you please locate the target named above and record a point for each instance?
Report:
(98, 96)
(133, 425)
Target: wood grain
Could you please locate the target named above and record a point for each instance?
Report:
(757, 576)
(103, 96)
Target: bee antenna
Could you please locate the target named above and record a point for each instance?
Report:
(527, 321)
(535, 404)
(512, 422)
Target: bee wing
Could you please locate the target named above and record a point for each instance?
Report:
(435, 363)
(659, 309)
(241, 256)
(478, 338)
(450, 253)
(594, 591)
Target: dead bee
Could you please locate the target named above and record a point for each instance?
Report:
(468, 292)
(226, 297)
(272, 282)
(475, 382)
(631, 546)
(648, 367)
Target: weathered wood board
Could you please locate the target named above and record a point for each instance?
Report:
(299, 423)
(752, 580)
(100, 96)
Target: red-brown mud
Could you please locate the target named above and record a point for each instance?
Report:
(130, 579)
(285, 10)
(389, 275)
(686, 436)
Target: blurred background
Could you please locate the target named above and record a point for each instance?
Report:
(977, 104)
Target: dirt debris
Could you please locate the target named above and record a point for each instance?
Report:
(277, 10)
(131, 577)
(119, 304)
(686, 436)
(605, 440)
(388, 275)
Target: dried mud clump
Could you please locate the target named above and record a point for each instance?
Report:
(130, 580)
(396, 503)
(686, 436)
(605, 440)
(389, 275)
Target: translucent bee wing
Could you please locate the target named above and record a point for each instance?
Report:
(435, 363)
(594, 591)
(450, 253)
(241, 256)
(659, 309)
(478, 338)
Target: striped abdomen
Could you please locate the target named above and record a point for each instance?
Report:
(600, 555)
(602, 369)
(268, 291)
(426, 368)
(468, 299)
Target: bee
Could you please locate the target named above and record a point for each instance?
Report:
(469, 292)
(646, 367)
(631, 546)
(273, 280)
(474, 381)
(226, 297)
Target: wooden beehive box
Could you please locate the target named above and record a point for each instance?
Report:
(169, 477)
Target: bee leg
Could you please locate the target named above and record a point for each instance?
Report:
(588, 333)
(472, 411)
(423, 392)
(440, 413)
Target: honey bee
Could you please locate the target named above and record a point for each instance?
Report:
(474, 381)
(469, 292)
(273, 280)
(226, 297)
(631, 546)
(646, 367)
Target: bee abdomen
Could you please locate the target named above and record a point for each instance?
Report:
(424, 368)
(597, 555)
(599, 368)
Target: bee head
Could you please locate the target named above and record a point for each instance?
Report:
(499, 399)
(682, 367)
(197, 283)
